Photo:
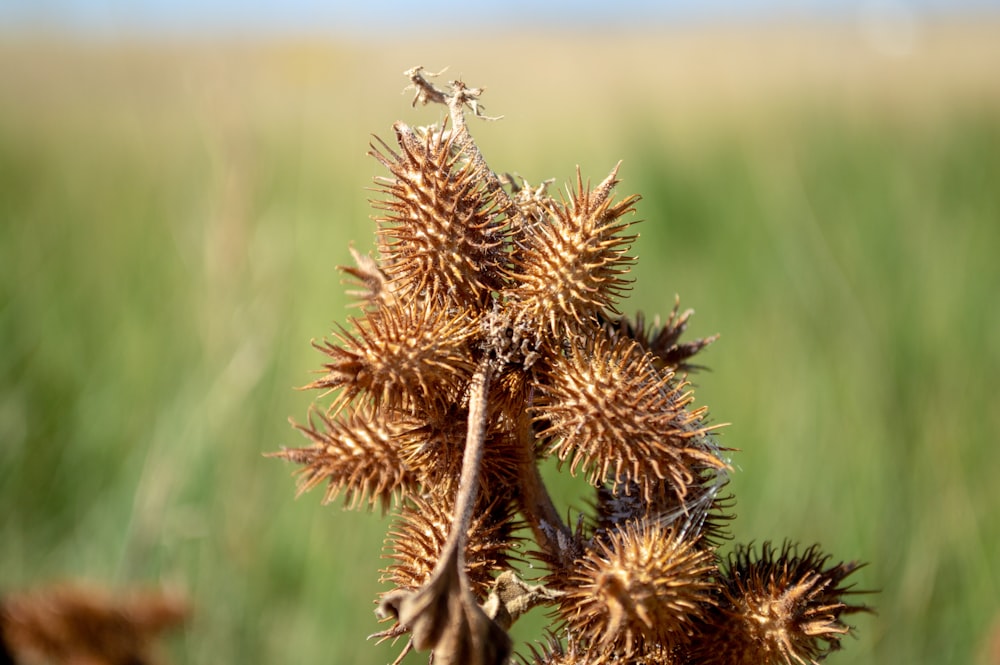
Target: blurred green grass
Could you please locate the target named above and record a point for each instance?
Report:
(171, 219)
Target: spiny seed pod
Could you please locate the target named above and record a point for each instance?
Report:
(419, 535)
(357, 454)
(489, 339)
(608, 410)
(777, 608)
(571, 266)
(662, 341)
(443, 232)
(402, 357)
(433, 449)
(641, 588)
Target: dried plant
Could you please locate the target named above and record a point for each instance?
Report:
(489, 340)
(77, 624)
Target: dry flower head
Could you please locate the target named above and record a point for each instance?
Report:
(490, 339)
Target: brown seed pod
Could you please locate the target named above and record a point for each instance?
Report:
(432, 446)
(355, 454)
(572, 266)
(641, 588)
(408, 356)
(662, 341)
(608, 410)
(443, 231)
(419, 534)
(777, 608)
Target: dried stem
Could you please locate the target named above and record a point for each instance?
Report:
(472, 461)
(551, 533)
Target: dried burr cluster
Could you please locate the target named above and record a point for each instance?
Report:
(489, 341)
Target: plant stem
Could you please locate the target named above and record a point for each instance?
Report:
(468, 483)
(551, 533)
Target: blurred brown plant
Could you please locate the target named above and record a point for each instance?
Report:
(74, 624)
(490, 340)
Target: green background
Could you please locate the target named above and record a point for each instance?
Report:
(171, 219)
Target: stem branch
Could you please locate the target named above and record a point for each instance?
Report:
(468, 483)
(552, 535)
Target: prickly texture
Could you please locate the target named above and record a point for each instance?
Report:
(489, 339)
(442, 231)
(571, 264)
(552, 652)
(404, 357)
(641, 588)
(777, 608)
(416, 541)
(355, 455)
(608, 410)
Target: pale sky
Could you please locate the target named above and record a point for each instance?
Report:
(367, 17)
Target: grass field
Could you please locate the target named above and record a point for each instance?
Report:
(171, 219)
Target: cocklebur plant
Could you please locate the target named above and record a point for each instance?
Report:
(489, 339)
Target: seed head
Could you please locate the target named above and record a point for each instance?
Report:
(571, 265)
(606, 408)
(443, 232)
(489, 339)
(409, 356)
(778, 608)
(416, 541)
(641, 588)
(354, 454)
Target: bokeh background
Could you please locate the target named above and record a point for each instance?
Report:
(821, 182)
